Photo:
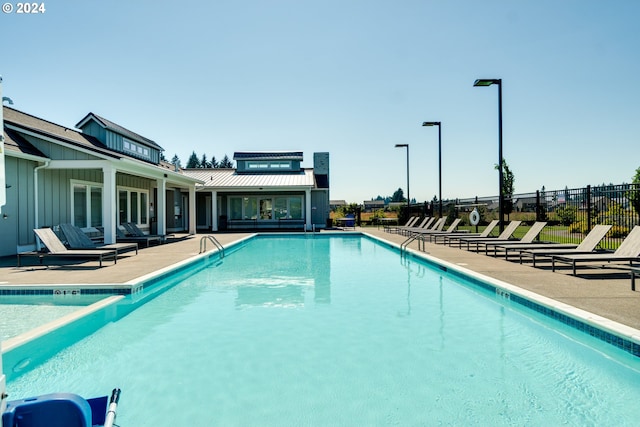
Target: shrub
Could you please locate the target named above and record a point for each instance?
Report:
(578, 227)
(379, 213)
(567, 215)
(618, 231)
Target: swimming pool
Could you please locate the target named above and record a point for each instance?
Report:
(341, 331)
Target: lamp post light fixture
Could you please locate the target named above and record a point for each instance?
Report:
(408, 198)
(439, 124)
(489, 82)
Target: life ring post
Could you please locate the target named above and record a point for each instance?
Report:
(474, 218)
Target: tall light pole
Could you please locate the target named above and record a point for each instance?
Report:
(408, 199)
(439, 124)
(489, 82)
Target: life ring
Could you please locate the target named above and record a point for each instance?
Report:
(474, 217)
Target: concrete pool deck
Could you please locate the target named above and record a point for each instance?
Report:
(606, 293)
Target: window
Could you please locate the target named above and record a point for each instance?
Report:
(281, 209)
(235, 208)
(95, 206)
(264, 165)
(86, 204)
(265, 208)
(133, 205)
(295, 207)
(135, 148)
(250, 207)
(257, 165)
(144, 201)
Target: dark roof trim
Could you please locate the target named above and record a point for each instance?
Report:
(13, 141)
(268, 155)
(114, 127)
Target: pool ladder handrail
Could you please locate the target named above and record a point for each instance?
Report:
(212, 239)
(404, 245)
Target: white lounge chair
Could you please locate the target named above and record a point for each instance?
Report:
(425, 223)
(529, 237)
(57, 249)
(476, 241)
(540, 250)
(438, 229)
(628, 251)
(454, 237)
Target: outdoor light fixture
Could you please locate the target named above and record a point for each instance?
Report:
(439, 124)
(408, 199)
(489, 82)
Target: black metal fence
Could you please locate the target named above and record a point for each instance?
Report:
(570, 213)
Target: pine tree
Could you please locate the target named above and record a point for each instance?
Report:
(204, 163)
(225, 163)
(193, 161)
(398, 196)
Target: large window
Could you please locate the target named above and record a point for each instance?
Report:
(249, 208)
(281, 209)
(289, 207)
(133, 205)
(235, 208)
(264, 208)
(86, 204)
(295, 207)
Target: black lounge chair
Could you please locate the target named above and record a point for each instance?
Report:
(77, 239)
(133, 230)
(121, 237)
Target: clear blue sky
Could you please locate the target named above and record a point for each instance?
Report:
(353, 78)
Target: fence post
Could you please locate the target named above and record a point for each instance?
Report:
(538, 207)
(588, 208)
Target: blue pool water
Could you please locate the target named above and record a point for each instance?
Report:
(341, 331)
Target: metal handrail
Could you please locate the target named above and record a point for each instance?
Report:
(406, 243)
(218, 245)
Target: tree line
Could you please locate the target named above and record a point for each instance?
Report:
(196, 162)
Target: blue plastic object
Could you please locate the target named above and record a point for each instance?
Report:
(51, 410)
(350, 222)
